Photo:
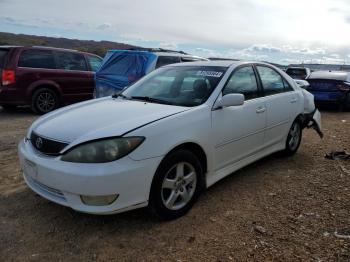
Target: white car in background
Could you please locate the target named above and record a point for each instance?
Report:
(161, 141)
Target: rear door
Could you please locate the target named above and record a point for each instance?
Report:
(74, 76)
(282, 104)
(34, 65)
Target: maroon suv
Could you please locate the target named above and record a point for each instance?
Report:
(45, 78)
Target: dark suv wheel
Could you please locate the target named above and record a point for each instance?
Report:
(44, 100)
(176, 185)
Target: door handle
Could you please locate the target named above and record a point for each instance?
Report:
(260, 110)
(294, 100)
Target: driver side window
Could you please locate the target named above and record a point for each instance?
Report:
(242, 81)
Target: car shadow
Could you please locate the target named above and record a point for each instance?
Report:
(17, 111)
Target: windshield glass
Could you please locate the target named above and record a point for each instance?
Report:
(180, 85)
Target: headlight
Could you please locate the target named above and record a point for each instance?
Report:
(102, 151)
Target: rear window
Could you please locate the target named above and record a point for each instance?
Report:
(37, 59)
(3, 53)
(167, 60)
(296, 72)
(71, 61)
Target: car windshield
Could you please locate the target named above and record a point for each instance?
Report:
(178, 85)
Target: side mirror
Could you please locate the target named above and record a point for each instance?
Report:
(229, 100)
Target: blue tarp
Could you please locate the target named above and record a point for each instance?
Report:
(121, 68)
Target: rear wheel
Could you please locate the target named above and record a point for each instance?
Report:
(293, 138)
(176, 185)
(44, 100)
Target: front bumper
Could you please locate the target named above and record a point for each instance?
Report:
(64, 182)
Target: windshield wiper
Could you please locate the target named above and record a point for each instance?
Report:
(152, 100)
(120, 95)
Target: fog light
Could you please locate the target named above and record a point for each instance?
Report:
(99, 200)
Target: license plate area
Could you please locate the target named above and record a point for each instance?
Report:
(30, 168)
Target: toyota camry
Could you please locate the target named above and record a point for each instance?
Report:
(165, 138)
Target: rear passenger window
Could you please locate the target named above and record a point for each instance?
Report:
(166, 60)
(243, 81)
(71, 61)
(37, 59)
(271, 80)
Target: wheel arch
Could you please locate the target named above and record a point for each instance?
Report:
(194, 148)
(45, 84)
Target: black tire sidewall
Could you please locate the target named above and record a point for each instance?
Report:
(35, 97)
(156, 203)
(288, 150)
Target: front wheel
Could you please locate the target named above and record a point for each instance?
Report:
(176, 185)
(293, 138)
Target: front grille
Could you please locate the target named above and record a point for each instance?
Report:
(45, 145)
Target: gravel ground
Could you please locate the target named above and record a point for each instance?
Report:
(281, 209)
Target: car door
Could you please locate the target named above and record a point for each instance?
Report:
(238, 131)
(75, 79)
(282, 104)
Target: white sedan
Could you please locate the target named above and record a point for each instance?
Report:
(170, 135)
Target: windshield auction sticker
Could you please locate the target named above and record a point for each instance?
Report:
(209, 73)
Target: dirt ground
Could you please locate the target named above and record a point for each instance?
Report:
(281, 209)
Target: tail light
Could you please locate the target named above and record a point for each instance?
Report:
(8, 77)
(343, 87)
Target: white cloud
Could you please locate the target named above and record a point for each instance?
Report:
(171, 46)
(104, 26)
(249, 29)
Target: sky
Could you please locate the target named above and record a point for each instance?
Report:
(279, 31)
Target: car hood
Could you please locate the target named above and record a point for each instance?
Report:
(100, 118)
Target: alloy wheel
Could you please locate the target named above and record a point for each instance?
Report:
(45, 102)
(179, 185)
(294, 135)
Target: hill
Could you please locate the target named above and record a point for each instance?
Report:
(96, 47)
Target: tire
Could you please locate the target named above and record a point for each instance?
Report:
(174, 190)
(44, 100)
(294, 138)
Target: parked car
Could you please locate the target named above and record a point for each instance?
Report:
(300, 73)
(44, 77)
(176, 131)
(120, 68)
(330, 87)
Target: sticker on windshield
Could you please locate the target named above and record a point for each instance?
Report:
(209, 73)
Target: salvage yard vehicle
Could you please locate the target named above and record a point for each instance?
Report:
(45, 77)
(300, 73)
(164, 139)
(330, 87)
(121, 68)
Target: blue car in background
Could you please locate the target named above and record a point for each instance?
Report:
(330, 87)
(121, 68)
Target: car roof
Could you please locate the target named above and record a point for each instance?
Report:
(223, 63)
(332, 75)
(297, 67)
